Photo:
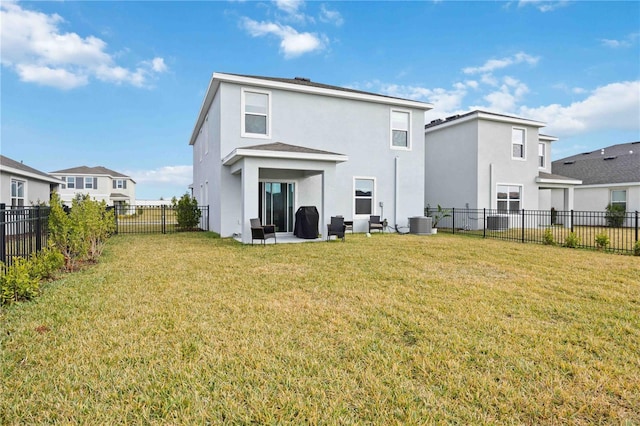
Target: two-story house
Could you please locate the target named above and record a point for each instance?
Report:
(99, 183)
(21, 185)
(483, 160)
(262, 147)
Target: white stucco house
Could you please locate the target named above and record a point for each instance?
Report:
(608, 175)
(21, 185)
(98, 182)
(262, 147)
(483, 160)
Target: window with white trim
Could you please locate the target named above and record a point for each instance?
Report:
(364, 195)
(518, 143)
(90, 182)
(400, 129)
(119, 184)
(71, 182)
(17, 192)
(542, 155)
(63, 185)
(509, 198)
(256, 107)
(619, 198)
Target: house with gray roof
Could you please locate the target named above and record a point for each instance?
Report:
(263, 147)
(609, 175)
(484, 160)
(22, 185)
(100, 183)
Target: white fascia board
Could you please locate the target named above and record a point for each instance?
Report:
(610, 185)
(239, 153)
(323, 91)
(547, 138)
(26, 174)
(559, 181)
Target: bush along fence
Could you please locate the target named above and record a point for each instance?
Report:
(606, 230)
(23, 231)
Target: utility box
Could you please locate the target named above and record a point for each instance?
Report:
(420, 225)
(498, 222)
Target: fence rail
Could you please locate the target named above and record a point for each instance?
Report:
(163, 219)
(23, 231)
(544, 226)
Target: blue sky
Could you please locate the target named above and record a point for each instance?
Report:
(119, 84)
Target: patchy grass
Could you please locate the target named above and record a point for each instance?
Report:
(191, 329)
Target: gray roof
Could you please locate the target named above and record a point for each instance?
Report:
(302, 81)
(614, 164)
(8, 162)
(283, 147)
(84, 170)
(439, 121)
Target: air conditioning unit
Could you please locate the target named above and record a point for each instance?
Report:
(499, 222)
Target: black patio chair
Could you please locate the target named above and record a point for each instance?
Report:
(375, 224)
(262, 232)
(336, 227)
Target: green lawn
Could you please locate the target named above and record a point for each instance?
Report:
(190, 329)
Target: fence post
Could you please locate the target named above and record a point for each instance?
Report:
(3, 234)
(209, 206)
(571, 220)
(484, 222)
(38, 229)
(636, 225)
(453, 219)
(164, 231)
(523, 223)
(115, 215)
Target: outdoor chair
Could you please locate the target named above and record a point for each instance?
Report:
(262, 232)
(336, 227)
(375, 224)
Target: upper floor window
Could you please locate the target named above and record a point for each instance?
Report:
(518, 143)
(71, 182)
(509, 198)
(63, 185)
(256, 120)
(619, 198)
(542, 155)
(119, 184)
(17, 192)
(400, 129)
(364, 196)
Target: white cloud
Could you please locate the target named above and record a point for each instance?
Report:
(181, 175)
(614, 106)
(544, 5)
(292, 43)
(293, 10)
(628, 41)
(506, 98)
(34, 46)
(494, 64)
(330, 16)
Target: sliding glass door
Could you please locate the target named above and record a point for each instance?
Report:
(276, 204)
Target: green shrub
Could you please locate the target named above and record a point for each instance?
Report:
(602, 240)
(45, 264)
(187, 212)
(16, 282)
(548, 237)
(615, 214)
(636, 248)
(571, 240)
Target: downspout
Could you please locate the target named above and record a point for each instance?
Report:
(395, 193)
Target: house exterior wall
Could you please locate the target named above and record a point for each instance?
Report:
(451, 168)
(36, 191)
(597, 197)
(359, 129)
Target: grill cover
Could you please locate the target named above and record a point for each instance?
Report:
(307, 219)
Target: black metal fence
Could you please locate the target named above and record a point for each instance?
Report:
(617, 232)
(23, 231)
(163, 219)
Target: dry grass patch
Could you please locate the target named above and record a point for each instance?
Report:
(185, 328)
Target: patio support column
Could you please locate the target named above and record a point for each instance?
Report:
(328, 199)
(568, 203)
(250, 175)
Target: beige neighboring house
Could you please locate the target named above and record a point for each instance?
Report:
(21, 185)
(99, 183)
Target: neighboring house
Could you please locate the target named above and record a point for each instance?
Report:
(483, 160)
(263, 147)
(609, 175)
(99, 183)
(21, 185)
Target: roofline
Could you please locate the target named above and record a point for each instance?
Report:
(24, 173)
(609, 185)
(547, 138)
(567, 181)
(238, 153)
(217, 78)
(483, 115)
